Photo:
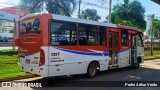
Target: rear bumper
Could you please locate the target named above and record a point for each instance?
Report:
(39, 70)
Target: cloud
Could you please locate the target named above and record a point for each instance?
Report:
(4, 3)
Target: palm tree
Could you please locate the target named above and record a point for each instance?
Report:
(129, 13)
(61, 7)
(156, 30)
(90, 14)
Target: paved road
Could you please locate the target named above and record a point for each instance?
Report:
(149, 71)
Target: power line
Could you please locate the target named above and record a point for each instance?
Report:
(93, 4)
(84, 7)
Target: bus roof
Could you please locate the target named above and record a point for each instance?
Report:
(30, 15)
(77, 20)
(83, 21)
(127, 27)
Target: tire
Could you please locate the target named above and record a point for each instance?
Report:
(92, 71)
(136, 65)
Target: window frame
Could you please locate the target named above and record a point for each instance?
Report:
(105, 35)
(87, 33)
(140, 38)
(124, 30)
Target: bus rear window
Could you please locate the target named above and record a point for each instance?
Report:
(30, 26)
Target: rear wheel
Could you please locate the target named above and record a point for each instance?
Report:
(92, 71)
(137, 65)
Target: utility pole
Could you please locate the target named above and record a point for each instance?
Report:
(152, 17)
(79, 8)
(110, 9)
(14, 35)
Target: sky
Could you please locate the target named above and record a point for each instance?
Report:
(151, 7)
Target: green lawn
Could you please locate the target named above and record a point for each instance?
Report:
(9, 64)
(156, 54)
(150, 57)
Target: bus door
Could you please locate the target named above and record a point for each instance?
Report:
(133, 49)
(113, 38)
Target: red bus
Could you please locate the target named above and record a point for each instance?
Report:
(54, 45)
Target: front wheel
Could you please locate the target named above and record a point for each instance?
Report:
(136, 65)
(92, 71)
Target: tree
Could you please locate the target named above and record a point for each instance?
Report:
(156, 29)
(129, 13)
(90, 14)
(61, 7)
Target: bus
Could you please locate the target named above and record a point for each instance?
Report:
(54, 45)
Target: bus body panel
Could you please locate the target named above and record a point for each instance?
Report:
(68, 62)
(35, 70)
(124, 58)
(29, 59)
(140, 53)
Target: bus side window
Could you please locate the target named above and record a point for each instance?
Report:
(63, 33)
(125, 38)
(102, 35)
(82, 29)
(88, 35)
(82, 41)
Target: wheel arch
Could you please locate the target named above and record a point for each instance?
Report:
(139, 59)
(96, 63)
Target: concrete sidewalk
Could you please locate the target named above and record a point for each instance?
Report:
(7, 48)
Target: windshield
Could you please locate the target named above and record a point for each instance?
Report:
(140, 41)
(30, 26)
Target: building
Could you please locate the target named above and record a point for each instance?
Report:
(148, 23)
(9, 17)
(15, 11)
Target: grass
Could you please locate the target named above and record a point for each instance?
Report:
(156, 54)
(9, 64)
(151, 57)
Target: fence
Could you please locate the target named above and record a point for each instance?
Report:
(6, 44)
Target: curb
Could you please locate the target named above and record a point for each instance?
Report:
(18, 77)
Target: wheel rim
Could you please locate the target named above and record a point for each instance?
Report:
(92, 71)
(137, 65)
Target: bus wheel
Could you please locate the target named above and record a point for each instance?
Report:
(137, 65)
(92, 71)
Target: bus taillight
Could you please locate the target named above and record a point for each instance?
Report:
(42, 58)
